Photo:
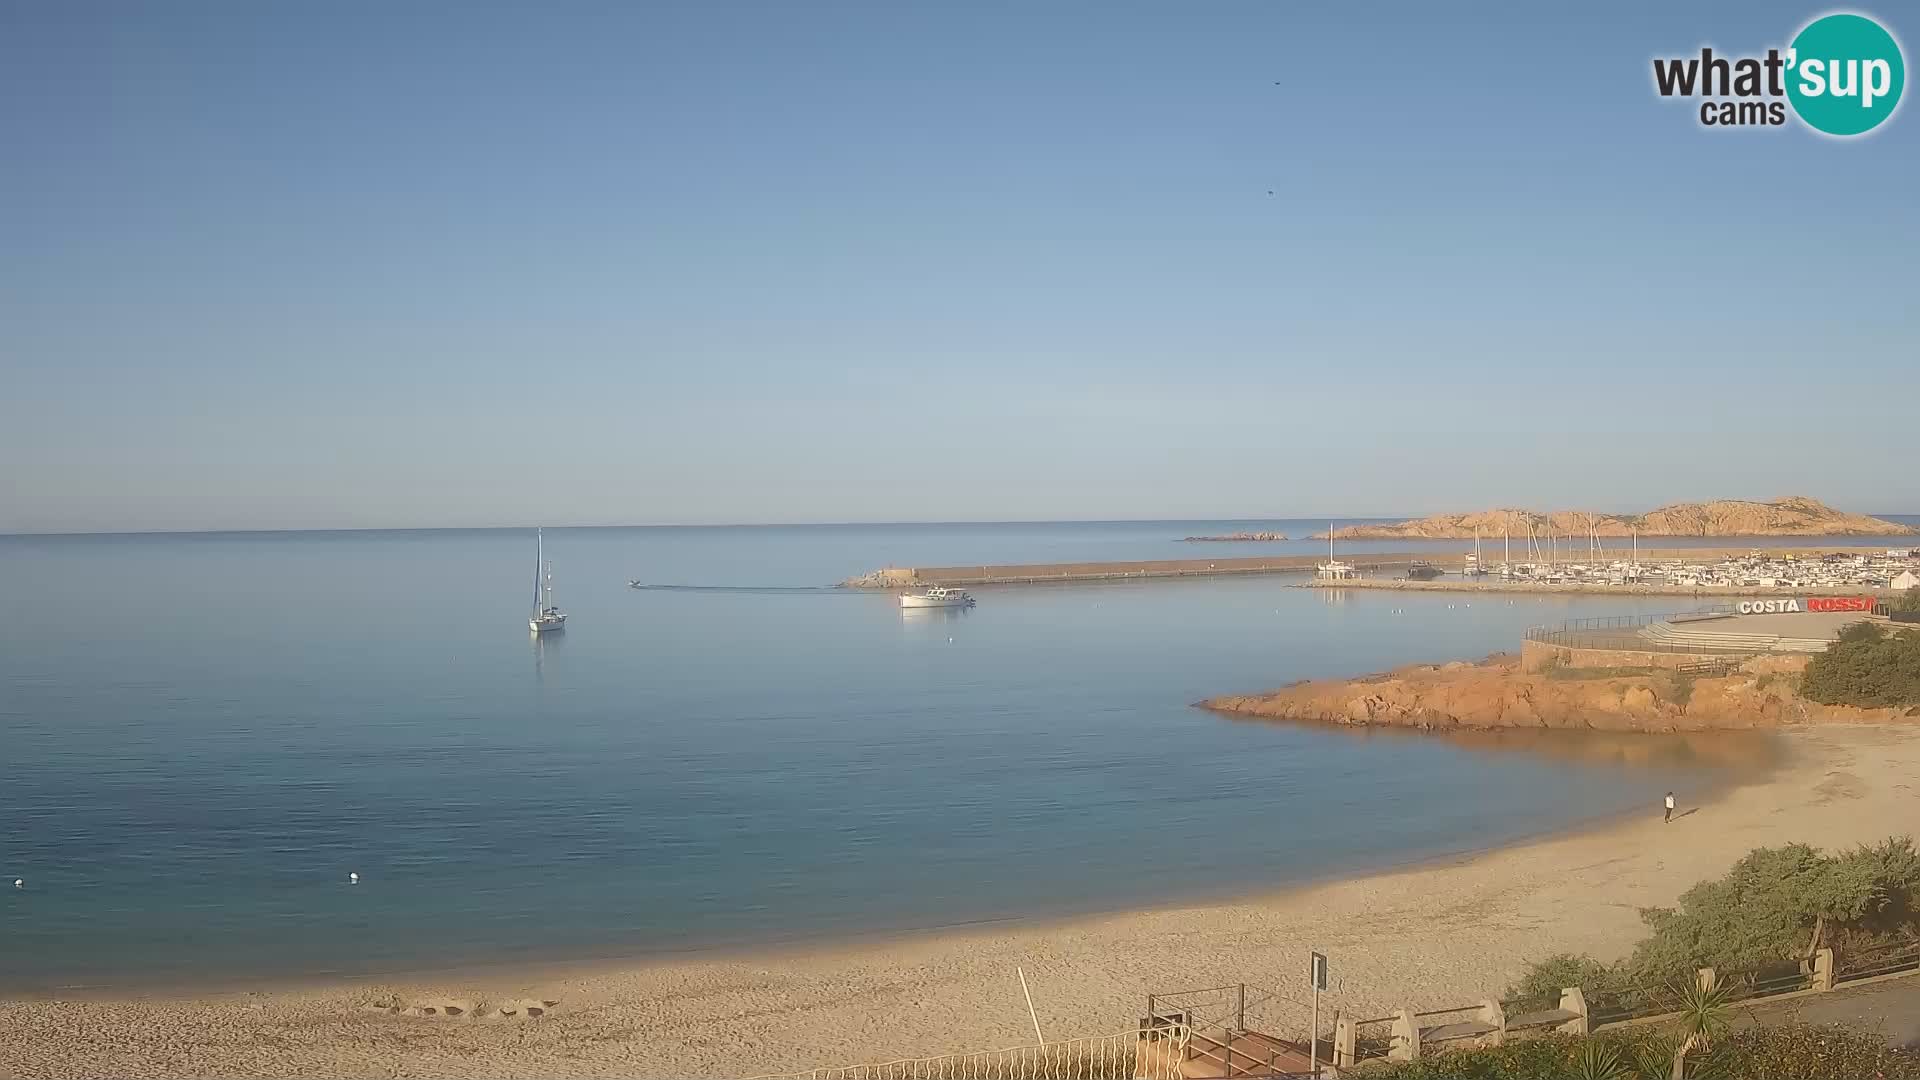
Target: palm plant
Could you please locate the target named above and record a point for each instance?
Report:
(1599, 1059)
(1704, 1018)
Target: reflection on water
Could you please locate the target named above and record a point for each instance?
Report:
(911, 616)
(191, 772)
(551, 640)
(1745, 752)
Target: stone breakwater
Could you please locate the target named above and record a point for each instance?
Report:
(1495, 693)
(1240, 537)
(896, 577)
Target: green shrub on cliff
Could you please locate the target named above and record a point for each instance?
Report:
(1867, 667)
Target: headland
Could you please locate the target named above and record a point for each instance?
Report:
(1791, 516)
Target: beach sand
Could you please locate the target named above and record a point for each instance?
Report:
(1431, 936)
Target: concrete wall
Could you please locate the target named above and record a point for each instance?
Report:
(1538, 656)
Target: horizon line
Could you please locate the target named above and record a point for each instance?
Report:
(1334, 518)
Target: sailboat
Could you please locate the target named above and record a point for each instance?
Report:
(545, 616)
(1473, 567)
(1333, 569)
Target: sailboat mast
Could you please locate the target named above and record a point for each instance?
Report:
(539, 556)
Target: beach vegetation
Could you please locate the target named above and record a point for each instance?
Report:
(1683, 683)
(1868, 667)
(1785, 1052)
(1545, 979)
(1774, 909)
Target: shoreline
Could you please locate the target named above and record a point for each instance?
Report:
(1725, 778)
(1441, 933)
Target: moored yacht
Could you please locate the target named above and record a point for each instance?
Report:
(1333, 569)
(936, 596)
(546, 618)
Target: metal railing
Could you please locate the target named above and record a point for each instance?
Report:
(1239, 1027)
(1887, 960)
(1768, 982)
(1373, 1040)
(1587, 639)
(1633, 1003)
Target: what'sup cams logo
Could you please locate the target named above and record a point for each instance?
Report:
(1842, 75)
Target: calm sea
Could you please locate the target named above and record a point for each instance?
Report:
(202, 735)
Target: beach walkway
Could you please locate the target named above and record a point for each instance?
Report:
(1891, 1008)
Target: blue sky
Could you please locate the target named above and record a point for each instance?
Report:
(361, 264)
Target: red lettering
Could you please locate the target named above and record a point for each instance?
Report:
(1840, 603)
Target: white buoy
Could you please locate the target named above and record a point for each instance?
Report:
(19, 883)
(353, 878)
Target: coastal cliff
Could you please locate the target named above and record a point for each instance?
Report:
(1496, 693)
(1792, 516)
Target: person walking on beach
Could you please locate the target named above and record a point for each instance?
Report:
(1669, 816)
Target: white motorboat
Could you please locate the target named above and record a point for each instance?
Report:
(937, 596)
(546, 618)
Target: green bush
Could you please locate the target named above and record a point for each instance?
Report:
(1788, 1052)
(1774, 907)
(1866, 667)
(1546, 978)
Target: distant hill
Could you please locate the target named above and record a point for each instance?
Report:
(1792, 516)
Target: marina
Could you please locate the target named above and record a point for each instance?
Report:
(1681, 571)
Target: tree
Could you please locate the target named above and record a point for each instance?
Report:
(1866, 667)
(1776, 905)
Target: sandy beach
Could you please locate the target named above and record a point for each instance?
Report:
(1436, 935)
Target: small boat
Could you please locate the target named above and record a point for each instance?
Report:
(937, 596)
(1474, 567)
(546, 618)
(1333, 569)
(1422, 570)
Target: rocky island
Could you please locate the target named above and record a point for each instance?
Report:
(1791, 516)
(1495, 693)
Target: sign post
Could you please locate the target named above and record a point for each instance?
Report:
(1317, 975)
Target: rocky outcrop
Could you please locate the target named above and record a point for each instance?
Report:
(1239, 536)
(1496, 694)
(1793, 516)
(887, 577)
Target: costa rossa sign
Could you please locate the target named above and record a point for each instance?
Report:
(1811, 603)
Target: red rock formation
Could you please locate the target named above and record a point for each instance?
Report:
(1497, 694)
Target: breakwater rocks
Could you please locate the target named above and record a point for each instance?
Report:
(1495, 693)
(887, 577)
(1239, 537)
